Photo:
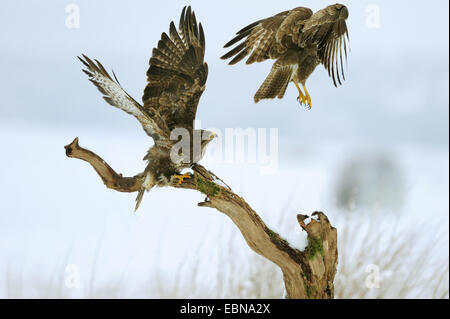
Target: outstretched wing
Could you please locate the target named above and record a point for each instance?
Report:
(327, 29)
(177, 73)
(268, 38)
(116, 96)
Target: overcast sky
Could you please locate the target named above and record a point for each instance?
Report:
(396, 88)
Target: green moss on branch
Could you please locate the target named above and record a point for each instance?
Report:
(208, 188)
(314, 246)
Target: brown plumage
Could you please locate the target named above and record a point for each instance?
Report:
(176, 80)
(298, 40)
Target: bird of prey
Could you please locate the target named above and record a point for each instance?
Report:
(176, 80)
(298, 41)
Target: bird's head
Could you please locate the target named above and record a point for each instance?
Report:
(342, 10)
(207, 136)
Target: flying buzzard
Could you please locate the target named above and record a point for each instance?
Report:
(298, 40)
(176, 80)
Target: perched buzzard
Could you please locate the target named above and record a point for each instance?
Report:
(176, 80)
(298, 40)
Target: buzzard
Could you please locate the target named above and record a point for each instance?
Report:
(176, 80)
(298, 41)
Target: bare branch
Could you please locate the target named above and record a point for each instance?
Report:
(110, 178)
(307, 274)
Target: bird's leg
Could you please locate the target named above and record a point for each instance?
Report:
(301, 97)
(182, 177)
(307, 97)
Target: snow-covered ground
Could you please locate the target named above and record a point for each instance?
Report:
(57, 219)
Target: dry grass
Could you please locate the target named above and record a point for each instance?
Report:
(412, 259)
(412, 262)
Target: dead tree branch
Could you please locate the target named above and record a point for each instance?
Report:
(307, 274)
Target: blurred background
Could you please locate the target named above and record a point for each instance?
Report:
(372, 155)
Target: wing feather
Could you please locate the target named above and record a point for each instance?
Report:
(177, 73)
(116, 96)
(267, 38)
(327, 29)
(340, 58)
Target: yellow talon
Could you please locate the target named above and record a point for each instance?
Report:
(307, 97)
(182, 177)
(301, 97)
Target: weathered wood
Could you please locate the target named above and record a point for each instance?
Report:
(307, 274)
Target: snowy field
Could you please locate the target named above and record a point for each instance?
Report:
(57, 218)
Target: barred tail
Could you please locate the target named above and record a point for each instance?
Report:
(139, 198)
(147, 184)
(275, 84)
